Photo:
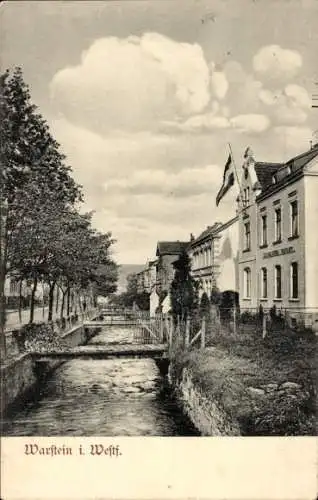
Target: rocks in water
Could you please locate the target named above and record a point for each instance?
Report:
(290, 385)
(256, 391)
(131, 390)
(95, 388)
(270, 387)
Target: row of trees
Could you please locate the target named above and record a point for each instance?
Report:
(132, 296)
(45, 237)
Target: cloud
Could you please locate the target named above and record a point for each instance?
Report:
(185, 183)
(250, 123)
(145, 124)
(133, 83)
(219, 84)
(199, 123)
(298, 96)
(244, 89)
(272, 62)
(289, 105)
(294, 139)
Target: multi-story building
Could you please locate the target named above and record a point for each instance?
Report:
(146, 278)
(167, 253)
(278, 240)
(214, 256)
(151, 276)
(13, 288)
(12, 291)
(140, 278)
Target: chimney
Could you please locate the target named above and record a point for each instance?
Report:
(192, 238)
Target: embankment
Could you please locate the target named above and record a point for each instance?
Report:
(205, 412)
(21, 377)
(240, 388)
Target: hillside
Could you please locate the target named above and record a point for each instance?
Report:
(124, 271)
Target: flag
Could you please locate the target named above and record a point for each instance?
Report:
(228, 179)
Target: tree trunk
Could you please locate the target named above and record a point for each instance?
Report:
(43, 306)
(51, 300)
(75, 302)
(20, 301)
(57, 300)
(63, 303)
(80, 304)
(72, 301)
(35, 284)
(68, 301)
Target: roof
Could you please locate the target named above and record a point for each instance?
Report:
(152, 263)
(171, 247)
(213, 230)
(302, 159)
(265, 172)
(283, 171)
(207, 232)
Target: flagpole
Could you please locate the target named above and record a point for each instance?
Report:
(236, 174)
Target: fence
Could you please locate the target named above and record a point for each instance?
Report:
(199, 331)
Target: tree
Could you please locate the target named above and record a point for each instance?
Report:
(105, 279)
(43, 235)
(30, 163)
(215, 296)
(133, 295)
(184, 289)
(205, 305)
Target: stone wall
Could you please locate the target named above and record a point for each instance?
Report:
(16, 379)
(22, 375)
(205, 414)
(75, 336)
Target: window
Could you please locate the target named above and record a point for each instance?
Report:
(264, 282)
(278, 224)
(246, 196)
(278, 282)
(264, 230)
(247, 236)
(294, 218)
(247, 283)
(294, 280)
(13, 286)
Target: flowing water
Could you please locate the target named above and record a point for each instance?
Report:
(111, 397)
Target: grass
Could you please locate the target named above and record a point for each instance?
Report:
(231, 365)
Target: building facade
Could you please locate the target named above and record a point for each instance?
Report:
(278, 211)
(13, 287)
(167, 253)
(214, 256)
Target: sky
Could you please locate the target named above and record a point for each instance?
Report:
(146, 96)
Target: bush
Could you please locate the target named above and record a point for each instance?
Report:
(281, 415)
(41, 337)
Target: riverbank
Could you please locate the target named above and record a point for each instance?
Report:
(248, 386)
(21, 374)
